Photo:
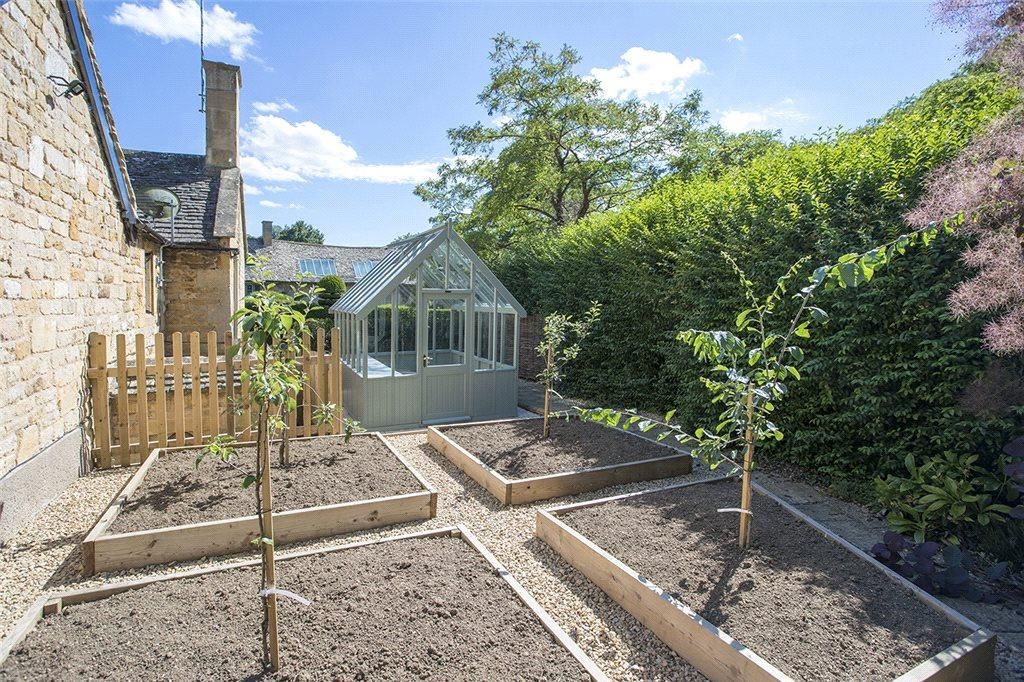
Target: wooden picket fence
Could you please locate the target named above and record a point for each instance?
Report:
(153, 396)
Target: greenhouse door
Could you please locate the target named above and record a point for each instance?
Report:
(445, 372)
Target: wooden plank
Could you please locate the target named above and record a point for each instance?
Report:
(89, 594)
(549, 623)
(100, 398)
(522, 491)
(246, 426)
(490, 479)
(307, 384)
(229, 384)
(213, 538)
(334, 376)
(586, 480)
(972, 659)
(416, 474)
(25, 625)
(713, 652)
(160, 372)
(112, 511)
(320, 376)
(213, 393)
(141, 396)
(124, 456)
(179, 390)
(196, 376)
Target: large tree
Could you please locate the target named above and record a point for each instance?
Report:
(554, 150)
(299, 231)
(985, 183)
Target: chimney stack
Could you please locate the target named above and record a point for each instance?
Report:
(268, 232)
(223, 81)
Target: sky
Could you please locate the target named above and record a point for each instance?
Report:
(345, 106)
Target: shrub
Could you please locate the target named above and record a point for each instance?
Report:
(884, 382)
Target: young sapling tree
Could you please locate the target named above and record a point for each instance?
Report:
(752, 366)
(560, 344)
(272, 323)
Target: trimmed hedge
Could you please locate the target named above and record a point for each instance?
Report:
(886, 373)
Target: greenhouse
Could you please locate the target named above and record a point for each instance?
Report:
(428, 336)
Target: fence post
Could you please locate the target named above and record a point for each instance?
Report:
(179, 391)
(321, 378)
(141, 396)
(124, 455)
(99, 397)
(214, 393)
(334, 376)
(195, 351)
(229, 384)
(160, 371)
(307, 386)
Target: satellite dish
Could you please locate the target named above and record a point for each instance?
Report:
(158, 203)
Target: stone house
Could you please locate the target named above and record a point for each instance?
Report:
(195, 203)
(74, 255)
(288, 261)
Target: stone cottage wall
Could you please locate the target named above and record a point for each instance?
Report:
(65, 266)
(199, 291)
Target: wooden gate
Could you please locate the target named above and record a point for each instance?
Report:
(152, 395)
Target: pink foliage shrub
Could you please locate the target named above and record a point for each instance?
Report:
(985, 183)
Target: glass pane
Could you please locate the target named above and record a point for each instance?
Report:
(379, 341)
(405, 349)
(458, 268)
(506, 339)
(433, 270)
(446, 331)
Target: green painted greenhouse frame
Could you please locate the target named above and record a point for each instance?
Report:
(429, 336)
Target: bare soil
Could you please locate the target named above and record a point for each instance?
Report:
(797, 599)
(412, 609)
(515, 449)
(322, 471)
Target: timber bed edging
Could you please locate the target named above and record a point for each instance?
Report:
(510, 491)
(713, 651)
(52, 603)
(135, 549)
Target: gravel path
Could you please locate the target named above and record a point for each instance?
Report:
(46, 556)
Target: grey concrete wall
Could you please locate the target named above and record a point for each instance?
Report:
(33, 484)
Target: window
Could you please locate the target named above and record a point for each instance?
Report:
(317, 266)
(361, 268)
(150, 284)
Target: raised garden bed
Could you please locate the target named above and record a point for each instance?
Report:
(801, 603)
(515, 464)
(172, 511)
(431, 604)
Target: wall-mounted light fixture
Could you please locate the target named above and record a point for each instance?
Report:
(70, 88)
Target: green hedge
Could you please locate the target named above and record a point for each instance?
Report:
(887, 371)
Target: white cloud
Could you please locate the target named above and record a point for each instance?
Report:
(642, 73)
(253, 190)
(735, 38)
(276, 150)
(265, 203)
(274, 107)
(179, 20)
(275, 188)
(772, 116)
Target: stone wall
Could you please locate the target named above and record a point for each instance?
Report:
(200, 290)
(66, 268)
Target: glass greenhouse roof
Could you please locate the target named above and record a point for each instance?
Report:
(441, 257)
